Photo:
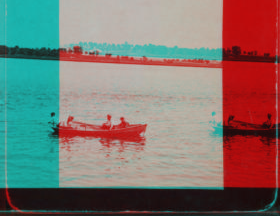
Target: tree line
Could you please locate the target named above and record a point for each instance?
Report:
(29, 51)
(149, 50)
(236, 51)
(146, 51)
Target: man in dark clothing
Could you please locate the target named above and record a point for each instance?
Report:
(268, 123)
(123, 123)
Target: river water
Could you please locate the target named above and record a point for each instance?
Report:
(175, 102)
(178, 150)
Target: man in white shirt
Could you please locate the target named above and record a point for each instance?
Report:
(108, 124)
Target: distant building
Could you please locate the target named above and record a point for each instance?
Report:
(236, 50)
(78, 50)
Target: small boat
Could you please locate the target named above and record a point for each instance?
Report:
(231, 131)
(83, 129)
(245, 128)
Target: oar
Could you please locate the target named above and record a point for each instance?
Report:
(88, 125)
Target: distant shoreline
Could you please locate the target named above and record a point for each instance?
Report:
(119, 60)
(246, 58)
(141, 61)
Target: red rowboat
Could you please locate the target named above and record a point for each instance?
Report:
(82, 129)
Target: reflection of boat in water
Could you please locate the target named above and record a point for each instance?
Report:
(82, 129)
(245, 129)
(134, 144)
(72, 143)
(122, 140)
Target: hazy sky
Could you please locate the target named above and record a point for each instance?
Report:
(30, 23)
(182, 23)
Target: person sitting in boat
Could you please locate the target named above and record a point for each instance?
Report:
(108, 125)
(123, 123)
(232, 123)
(268, 122)
(53, 121)
(69, 121)
(230, 120)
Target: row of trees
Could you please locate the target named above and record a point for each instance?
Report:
(145, 59)
(31, 51)
(47, 52)
(128, 51)
(150, 50)
(236, 51)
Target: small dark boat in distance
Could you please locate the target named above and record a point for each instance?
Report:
(245, 128)
(231, 131)
(84, 130)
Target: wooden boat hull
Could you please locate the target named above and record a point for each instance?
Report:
(230, 131)
(131, 131)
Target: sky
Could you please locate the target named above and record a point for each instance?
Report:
(30, 23)
(182, 23)
(250, 24)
